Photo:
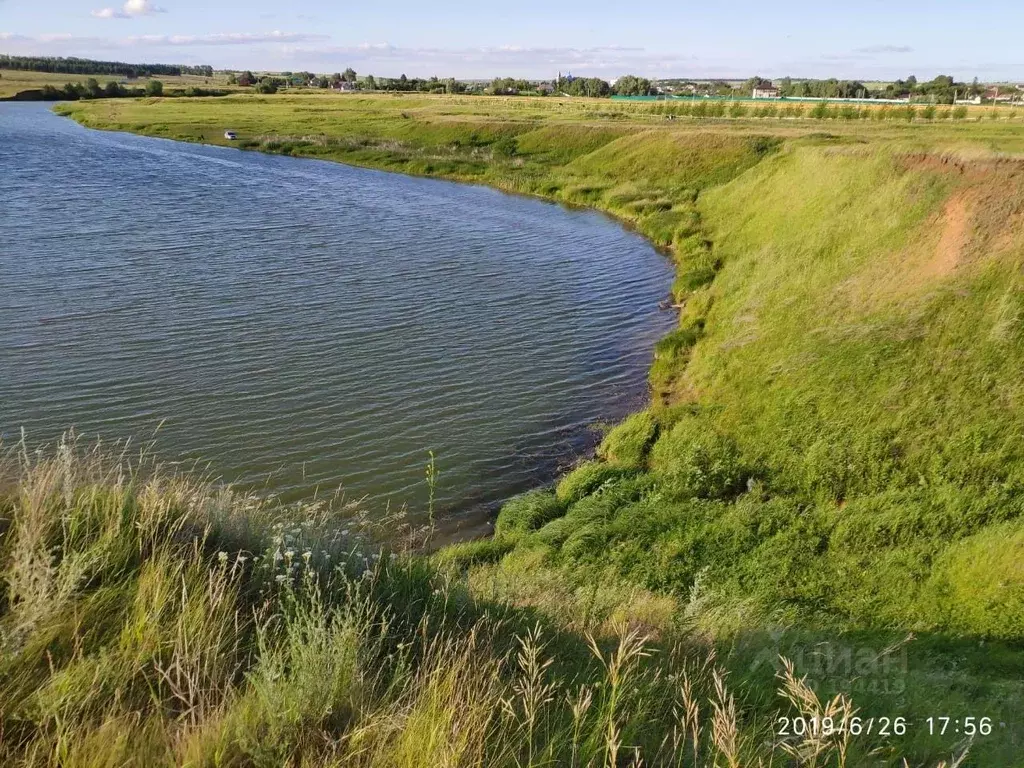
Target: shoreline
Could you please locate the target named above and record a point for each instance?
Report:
(630, 224)
(473, 520)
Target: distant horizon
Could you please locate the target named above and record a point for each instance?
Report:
(716, 78)
(735, 39)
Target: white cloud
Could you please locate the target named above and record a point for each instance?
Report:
(515, 60)
(316, 52)
(871, 49)
(140, 8)
(228, 38)
(129, 10)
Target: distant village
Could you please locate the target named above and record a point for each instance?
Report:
(943, 89)
(940, 90)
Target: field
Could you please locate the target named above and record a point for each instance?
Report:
(831, 469)
(14, 81)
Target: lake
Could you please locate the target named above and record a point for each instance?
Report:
(301, 325)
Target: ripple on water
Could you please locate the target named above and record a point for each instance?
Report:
(301, 324)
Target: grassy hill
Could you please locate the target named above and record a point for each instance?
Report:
(832, 466)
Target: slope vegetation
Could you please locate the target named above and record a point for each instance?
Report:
(842, 434)
(832, 465)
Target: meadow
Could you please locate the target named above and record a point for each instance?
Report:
(14, 81)
(831, 469)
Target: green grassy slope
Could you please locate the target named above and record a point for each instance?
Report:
(846, 413)
(152, 619)
(833, 456)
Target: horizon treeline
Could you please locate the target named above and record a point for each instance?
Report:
(77, 66)
(92, 89)
(942, 89)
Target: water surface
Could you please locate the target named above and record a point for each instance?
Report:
(302, 324)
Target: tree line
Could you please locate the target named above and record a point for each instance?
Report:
(942, 89)
(76, 66)
(91, 89)
(627, 85)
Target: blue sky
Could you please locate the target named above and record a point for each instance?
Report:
(730, 38)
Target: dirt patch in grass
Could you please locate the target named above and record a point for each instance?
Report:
(978, 219)
(956, 225)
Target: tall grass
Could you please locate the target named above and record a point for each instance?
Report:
(154, 619)
(834, 445)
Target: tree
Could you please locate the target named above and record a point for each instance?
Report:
(631, 85)
(154, 88)
(92, 88)
(246, 79)
(111, 90)
(232, 79)
(350, 75)
(266, 85)
(371, 84)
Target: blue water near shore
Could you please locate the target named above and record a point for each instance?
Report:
(299, 325)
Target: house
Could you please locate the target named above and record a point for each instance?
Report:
(545, 88)
(766, 92)
(993, 94)
(344, 85)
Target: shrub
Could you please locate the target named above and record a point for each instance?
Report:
(526, 513)
(696, 460)
(506, 146)
(154, 88)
